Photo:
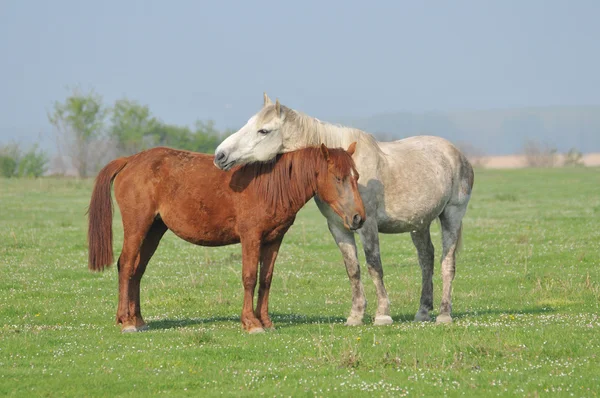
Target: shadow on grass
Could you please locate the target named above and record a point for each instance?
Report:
(478, 313)
(287, 320)
(280, 320)
(164, 324)
(500, 311)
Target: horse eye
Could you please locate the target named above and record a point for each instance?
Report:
(338, 179)
(263, 131)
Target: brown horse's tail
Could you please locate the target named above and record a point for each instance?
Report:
(100, 217)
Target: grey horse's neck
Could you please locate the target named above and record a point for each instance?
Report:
(313, 132)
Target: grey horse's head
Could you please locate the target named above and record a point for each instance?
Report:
(261, 139)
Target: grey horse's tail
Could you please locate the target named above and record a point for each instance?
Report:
(468, 178)
(459, 241)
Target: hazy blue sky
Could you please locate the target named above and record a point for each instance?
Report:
(335, 60)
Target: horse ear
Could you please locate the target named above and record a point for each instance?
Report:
(351, 148)
(278, 108)
(325, 152)
(267, 100)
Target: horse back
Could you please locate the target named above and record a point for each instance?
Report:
(184, 189)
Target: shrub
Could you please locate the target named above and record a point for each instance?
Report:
(15, 163)
(537, 155)
(573, 158)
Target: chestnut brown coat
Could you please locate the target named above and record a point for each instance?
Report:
(164, 188)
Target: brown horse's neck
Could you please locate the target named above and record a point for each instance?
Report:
(290, 180)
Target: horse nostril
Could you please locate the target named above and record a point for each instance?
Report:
(357, 219)
(220, 156)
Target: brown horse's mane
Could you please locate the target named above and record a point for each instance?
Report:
(285, 181)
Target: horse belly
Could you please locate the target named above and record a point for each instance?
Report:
(409, 215)
(208, 239)
(412, 199)
(390, 226)
(200, 225)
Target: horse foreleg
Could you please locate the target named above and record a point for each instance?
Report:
(369, 235)
(347, 245)
(422, 241)
(268, 256)
(250, 257)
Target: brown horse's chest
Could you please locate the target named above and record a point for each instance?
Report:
(277, 231)
(267, 224)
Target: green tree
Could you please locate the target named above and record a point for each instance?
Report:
(8, 166)
(32, 163)
(79, 122)
(205, 138)
(16, 163)
(9, 160)
(170, 135)
(132, 126)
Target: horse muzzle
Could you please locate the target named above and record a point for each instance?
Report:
(356, 222)
(222, 161)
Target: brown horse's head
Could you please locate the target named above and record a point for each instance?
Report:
(339, 186)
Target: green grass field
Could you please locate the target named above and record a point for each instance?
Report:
(526, 305)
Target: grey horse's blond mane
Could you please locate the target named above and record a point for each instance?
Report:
(314, 132)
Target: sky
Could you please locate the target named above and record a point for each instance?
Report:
(335, 60)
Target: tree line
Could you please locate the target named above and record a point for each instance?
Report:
(89, 133)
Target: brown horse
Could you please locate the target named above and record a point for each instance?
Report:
(164, 188)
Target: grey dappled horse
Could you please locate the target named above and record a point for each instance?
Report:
(405, 185)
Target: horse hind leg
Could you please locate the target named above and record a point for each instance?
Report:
(134, 236)
(451, 222)
(425, 250)
(149, 245)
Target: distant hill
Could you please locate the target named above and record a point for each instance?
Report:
(498, 131)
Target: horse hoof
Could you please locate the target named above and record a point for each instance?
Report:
(422, 317)
(129, 329)
(256, 330)
(381, 320)
(443, 319)
(354, 321)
